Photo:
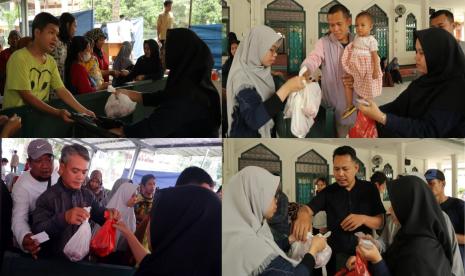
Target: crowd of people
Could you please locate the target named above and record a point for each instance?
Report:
(53, 200)
(254, 97)
(421, 231)
(56, 63)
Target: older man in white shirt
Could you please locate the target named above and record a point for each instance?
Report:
(29, 186)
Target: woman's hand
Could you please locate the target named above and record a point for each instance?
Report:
(370, 254)
(350, 264)
(372, 111)
(292, 85)
(89, 112)
(122, 227)
(318, 244)
(124, 73)
(291, 238)
(103, 86)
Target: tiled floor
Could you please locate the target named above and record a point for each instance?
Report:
(390, 93)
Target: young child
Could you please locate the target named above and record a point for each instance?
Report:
(360, 59)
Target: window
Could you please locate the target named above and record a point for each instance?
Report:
(410, 28)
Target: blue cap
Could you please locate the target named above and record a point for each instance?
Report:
(434, 174)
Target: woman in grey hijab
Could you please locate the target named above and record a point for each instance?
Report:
(248, 247)
(123, 59)
(252, 99)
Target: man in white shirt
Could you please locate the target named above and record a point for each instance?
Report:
(29, 186)
(125, 29)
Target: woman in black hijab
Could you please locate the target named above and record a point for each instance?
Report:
(185, 234)
(422, 245)
(147, 66)
(189, 106)
(432, 105)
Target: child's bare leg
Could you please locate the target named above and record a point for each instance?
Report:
(350, 108)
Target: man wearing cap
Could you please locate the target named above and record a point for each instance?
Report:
(60, 210)
(29, 186)
(453, 207)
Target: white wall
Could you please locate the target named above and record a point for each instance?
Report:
(244, 16)
(289, 150)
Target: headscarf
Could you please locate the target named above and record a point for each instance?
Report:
(442, 87)
(248, 244)
(190, 62)
(247, 71)
(94, 35)
(392, 64)
(120, 196)
(185, 233)
(123, 59)
(422, 245)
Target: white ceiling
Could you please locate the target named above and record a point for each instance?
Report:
(179, 146)
(458, 6)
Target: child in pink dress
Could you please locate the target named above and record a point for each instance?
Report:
(360, 59)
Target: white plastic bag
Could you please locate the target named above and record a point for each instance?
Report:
(302, 107)
(78, 246)
(300, 248)
(118, 106)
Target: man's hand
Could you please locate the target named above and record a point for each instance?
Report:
(30, 245)
(65, 115)
(76, 216)
(352, 222)
(302, 224)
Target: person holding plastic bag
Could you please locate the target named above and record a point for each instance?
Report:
(60, 209)
(252, 98)
(185, 234)
(432, 105)
(123, 198)
(248, 244)
(189, 105)
(422, 245)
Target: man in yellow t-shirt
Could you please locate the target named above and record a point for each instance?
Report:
(32, 73)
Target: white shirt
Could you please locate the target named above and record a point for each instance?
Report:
(125, 30)
(24, 194)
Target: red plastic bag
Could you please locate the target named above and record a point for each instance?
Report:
(361, 268)
(104, 241)
(364, 127)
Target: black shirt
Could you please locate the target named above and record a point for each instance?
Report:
(338, 203)
(455, 209)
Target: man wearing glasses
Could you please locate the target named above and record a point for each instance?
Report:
(29, 186)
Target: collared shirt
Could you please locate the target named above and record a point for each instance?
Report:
(338, 203)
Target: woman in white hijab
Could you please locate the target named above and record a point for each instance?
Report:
(252, 99)
(123, 198)
(248, 247)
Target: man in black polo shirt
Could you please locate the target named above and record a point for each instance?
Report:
(351, 205)
(453, 207)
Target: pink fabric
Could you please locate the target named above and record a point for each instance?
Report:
(361, 68)
(315, 58)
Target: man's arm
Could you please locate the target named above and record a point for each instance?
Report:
(303, 223)
(19, 221)
(354, 221)
(315, 57)
(38, 104)
(69, 99)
